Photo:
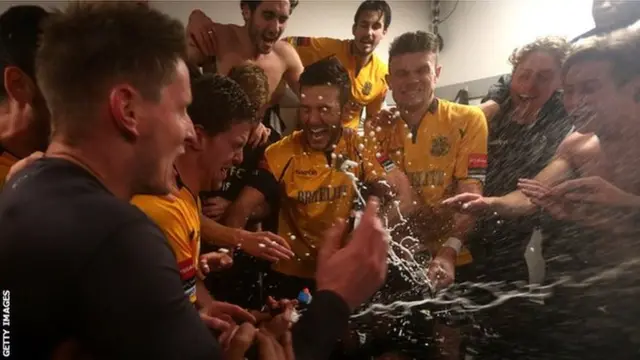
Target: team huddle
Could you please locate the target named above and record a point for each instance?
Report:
(150, 209)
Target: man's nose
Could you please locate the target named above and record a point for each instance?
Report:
(189, 130)
(238, 157)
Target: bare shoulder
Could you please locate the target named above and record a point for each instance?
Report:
(227, 32)
(286, 52)
(578, 144)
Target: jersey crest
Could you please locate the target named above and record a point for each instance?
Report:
(440, 146)
(366, 89)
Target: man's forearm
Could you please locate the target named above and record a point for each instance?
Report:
(217, 234)
(462, 226)
(512, 205)
(203, 297)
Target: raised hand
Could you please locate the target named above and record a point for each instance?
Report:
(358, 269)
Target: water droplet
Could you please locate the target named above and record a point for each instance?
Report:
(378, 129)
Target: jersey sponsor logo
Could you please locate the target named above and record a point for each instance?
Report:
(302, 41)
(386, 162)
(310, 172)
(477, 161)
(323, 194)
(426, 178)
(188, 277)
(440, 146)
(366, 89)
(477, 168)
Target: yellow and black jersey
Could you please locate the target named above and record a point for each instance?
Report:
(6, 162)
(368, 86)
(178, 216)
(312, 191)
(448, 147)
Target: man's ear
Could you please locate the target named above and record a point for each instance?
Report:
(18, 85)
(125, 112)
(246, 12)
(198, 141)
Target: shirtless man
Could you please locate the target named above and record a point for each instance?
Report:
(592, 184)
(229, 45)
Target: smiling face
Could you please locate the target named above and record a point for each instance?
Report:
(320, 115)
(266, 23)
(368, 31)
(412, 78)
(164, 127)
(534, 81)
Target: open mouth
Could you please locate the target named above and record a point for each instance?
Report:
(269, 40)
(318, 133)
(526, 97)
(367, 42)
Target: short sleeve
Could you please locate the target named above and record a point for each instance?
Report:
(499, 91)
(168, 219)
(471, 160)
(312, 49)
(266, 177)
(131, 301)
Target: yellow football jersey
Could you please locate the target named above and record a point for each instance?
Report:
(178, 216)
(368, 86)
(314, 192)
(449, 146)
(6, 162)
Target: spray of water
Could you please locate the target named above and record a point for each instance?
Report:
(453, 299)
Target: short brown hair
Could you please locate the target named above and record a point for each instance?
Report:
(253, 4)
(621, 48)
(328, 71)
(218, 103)
(253, 80)
(556, 46)
(91, 46)
(413, 42)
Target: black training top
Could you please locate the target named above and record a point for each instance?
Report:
(82, 265)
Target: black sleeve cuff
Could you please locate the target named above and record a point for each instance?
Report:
(264, 181)
(499, 92)
(325, 321)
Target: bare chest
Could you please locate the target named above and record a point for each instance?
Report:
(617, 165)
